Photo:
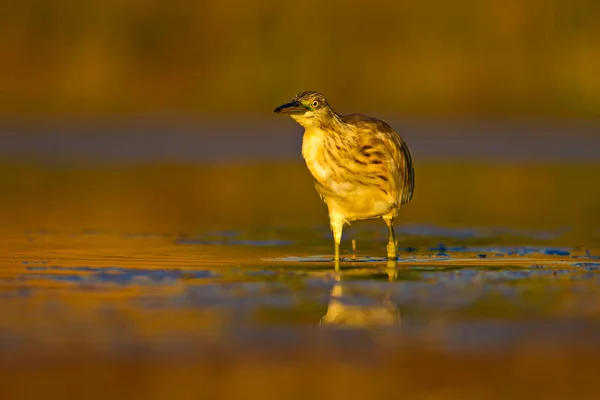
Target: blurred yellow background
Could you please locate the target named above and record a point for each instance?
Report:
(153, 257)
(207, 57)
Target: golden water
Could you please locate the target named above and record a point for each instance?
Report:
(163, 281)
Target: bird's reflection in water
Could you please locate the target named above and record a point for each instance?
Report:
(347, 311)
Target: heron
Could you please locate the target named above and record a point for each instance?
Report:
(362, 168)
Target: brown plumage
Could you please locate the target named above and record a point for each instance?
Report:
(361, 166)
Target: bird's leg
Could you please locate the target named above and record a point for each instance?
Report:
(391, 246)
(337, 225)
(354, 249)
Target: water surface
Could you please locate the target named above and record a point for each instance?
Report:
(165, 278)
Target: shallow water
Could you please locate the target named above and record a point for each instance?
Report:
(217, 279)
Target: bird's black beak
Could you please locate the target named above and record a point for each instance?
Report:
(295, 107)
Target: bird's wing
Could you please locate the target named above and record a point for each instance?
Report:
(379, 140)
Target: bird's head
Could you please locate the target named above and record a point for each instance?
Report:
(307, 108)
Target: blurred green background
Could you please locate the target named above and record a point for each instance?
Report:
(408, 58)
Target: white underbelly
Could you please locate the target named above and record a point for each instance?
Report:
(361, 203)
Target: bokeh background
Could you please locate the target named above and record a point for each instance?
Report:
(156, 216)
(233, 58)
(157, 116)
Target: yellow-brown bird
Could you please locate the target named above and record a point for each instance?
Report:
(361, 166)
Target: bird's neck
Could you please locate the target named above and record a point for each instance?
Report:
(331, 118)
(330, 124)
(322, 133)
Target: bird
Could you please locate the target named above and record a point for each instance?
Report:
(362, 168)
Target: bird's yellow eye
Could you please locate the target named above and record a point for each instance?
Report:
(315, 104)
